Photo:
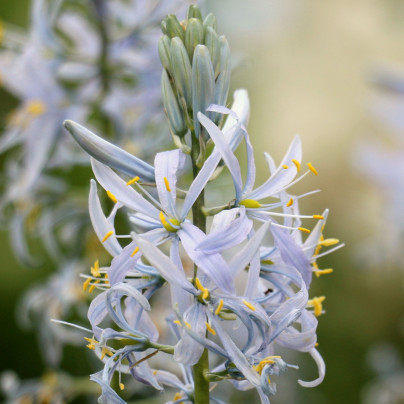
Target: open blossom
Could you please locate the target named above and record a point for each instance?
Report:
(272, 308)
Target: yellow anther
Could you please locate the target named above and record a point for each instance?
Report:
(320, 272)
(167, 184)
(205, 291)
(316, 344)
(250, 203)
(297, 164)
(178, 322)
(155, 372)
(86, 283)
(95, 270)
(285, 166)
(92, 287)
(121, 386)
(168, 224)
(316, 303)
(91, 346)
(319, 217)
(249, 305)
(303, 229)
(312, 169)
(219, 307)
(209, 328)
(269, 360)
(290, 203)
(187, 324)
(133, 180)
(135, 251)
(107, 236)
(36, 107)
(105, 351)
(91, 340)
(314, 264)
(112, 196)
(177, 396)
(328, 242)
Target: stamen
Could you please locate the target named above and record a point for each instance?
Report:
(329, 242)
(319, 217)
(316, 303)
(168, 224)
(133, 180)
(219, 307)
(121, 386)
(95, 270)
(91, 340)
(312, 169)
(249, 305)
(205, 291)
(290, 203)
(269, 360)
(112, 196)
(297, 164)
(179, 323)
(86, 283)
(177, 396)
(92, 287)
(303, 229)
(36, 107)
(285, 166)
(91, 346)
(135, 251)
(105, 351)
(167, 184)
(250, 203)
(155, 372)
(107, 236)
(210, 329)
(320, 272)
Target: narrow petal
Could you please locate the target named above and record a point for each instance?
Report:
(321, 370)
(225, 151)
(102, 226)
(167, 165)
(213, 265)
(123, 193)
(168, 270)
(227, 231)
(108, 153)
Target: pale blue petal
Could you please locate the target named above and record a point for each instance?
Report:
(97, 312)
(213, 265)
(291, 253)
(314, 237)
(321, 370)
(225, 151)
(101, 224)
(108, 153)
(168, 270)
(227, 231)
(245, 255)
(251, 289)
(281, 177)
(123, 193)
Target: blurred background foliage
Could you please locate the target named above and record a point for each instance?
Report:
(307, 65)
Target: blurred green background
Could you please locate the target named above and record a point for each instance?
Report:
(306, 65)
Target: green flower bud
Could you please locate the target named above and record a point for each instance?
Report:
(181, 70)
(223, 81)
(174, 27)
(172, 108)
(164, 27)
(193, 36)
(194, 12)
(213, 44)
(164, 52)
(210, 21)
(203, 83)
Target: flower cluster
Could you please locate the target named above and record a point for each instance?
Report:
(246, 294)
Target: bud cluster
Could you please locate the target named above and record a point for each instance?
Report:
(197, 70)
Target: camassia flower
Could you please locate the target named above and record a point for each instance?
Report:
(241, 280)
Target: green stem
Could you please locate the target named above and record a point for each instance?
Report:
(199, 220)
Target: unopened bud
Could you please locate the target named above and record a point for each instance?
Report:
(193, 36)
(213, 44)
(164, 52)
(181, 70)
(172, 108)
(194, 12)
(210, 21)
(174, 27)
(203, 83)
